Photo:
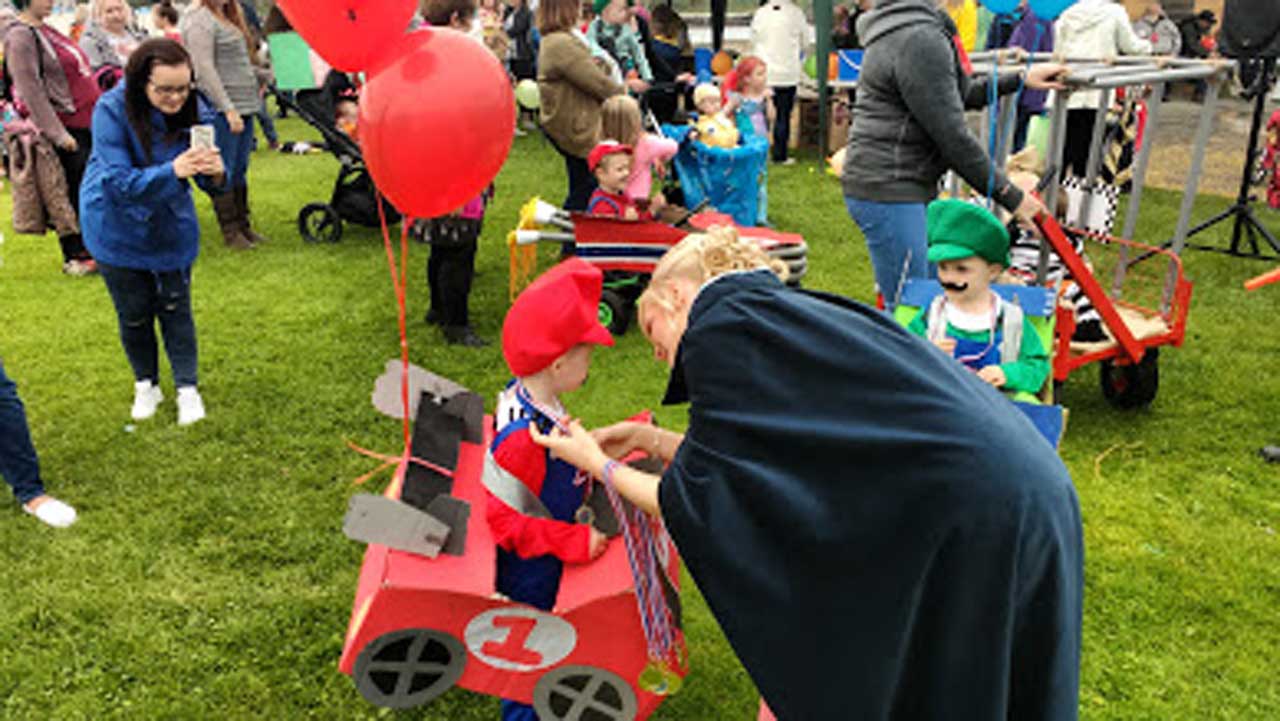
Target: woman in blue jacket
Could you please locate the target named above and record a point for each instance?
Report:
(139, 220)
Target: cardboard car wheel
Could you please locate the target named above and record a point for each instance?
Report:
(614, 312)
(319, 223)
(1133, 385)
(408, 668)
(583, 693)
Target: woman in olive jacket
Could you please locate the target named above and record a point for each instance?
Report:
(572, 86)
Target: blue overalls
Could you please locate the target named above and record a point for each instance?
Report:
(977, 355)
(536, 581)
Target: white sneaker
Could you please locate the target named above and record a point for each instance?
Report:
(52, 511)
(190, 406)
(146, 397)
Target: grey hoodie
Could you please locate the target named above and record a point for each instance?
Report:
(908, 119)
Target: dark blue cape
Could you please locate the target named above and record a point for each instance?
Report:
(880, 534)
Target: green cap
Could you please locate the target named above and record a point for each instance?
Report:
(600, 5)
(959, 229)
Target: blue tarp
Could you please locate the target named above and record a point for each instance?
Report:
(728, 178)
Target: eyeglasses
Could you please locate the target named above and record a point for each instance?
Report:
(176, 91)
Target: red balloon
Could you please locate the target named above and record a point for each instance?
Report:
(437, 116)
(349, 34)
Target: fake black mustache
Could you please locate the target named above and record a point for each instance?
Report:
(954, 287)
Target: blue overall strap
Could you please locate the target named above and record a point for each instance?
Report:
(591, 208)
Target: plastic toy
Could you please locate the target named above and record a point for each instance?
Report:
(421, 625)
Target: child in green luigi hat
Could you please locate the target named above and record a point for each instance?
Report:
(969, 321)
(611, 31)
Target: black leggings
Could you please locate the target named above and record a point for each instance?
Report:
(1075, 151)
(73, 165)
(784, 98)
(451, 267)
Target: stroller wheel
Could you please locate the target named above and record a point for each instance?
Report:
(319, 223)
(614, 311)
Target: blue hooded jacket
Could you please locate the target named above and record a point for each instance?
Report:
(136, 214)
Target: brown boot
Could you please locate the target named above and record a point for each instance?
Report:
(224, 206)
(242, 206)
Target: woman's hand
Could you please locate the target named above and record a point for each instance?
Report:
(1028, 209)
(68, 144)
(188, 164)
(235, 121)
(637, 85)
(1046, 76)
(210, 163)
(622, 438)
(577, 447)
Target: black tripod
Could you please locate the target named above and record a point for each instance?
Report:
(1247, 227)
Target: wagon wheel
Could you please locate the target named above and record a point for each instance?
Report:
(319, 223)
(408, 668)
(1133, 385)
(614, 311)
(583, 693)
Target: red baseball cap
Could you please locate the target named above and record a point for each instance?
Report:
(603, 148)
(556, 312)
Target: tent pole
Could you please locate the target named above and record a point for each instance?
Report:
(822, 49)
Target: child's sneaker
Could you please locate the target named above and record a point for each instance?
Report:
(146, 397)
(51, 511)
(190, 406)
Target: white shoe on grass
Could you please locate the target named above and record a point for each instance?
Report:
(190, 406)
(146, 397)
(51, 511)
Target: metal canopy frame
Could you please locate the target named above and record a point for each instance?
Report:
(1106, 77)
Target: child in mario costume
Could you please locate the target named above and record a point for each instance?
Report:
(533, 499)
(610, 161)
(968, 320)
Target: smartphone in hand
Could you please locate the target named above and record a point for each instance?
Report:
(202, 138)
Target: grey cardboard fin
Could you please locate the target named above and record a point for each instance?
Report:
(377, 519)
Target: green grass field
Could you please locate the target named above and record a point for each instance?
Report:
(208, 576)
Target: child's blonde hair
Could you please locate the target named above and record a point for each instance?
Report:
(1026, 160)
(703, 256)
(620, 119)
(705, 91)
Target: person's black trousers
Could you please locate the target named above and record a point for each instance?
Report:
(582, 183)
(451, 268)
(73, 167)
(784, 99)
(1075, 151)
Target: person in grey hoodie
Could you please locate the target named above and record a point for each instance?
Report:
(909, 128)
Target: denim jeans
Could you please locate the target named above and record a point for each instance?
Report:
(142, 297)
(268, 125)
(235, 150)
(897, 241)
(18, 461)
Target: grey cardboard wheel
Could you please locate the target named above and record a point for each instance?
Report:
(583, 693)
(408, 668)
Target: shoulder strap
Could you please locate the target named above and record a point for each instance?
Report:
(934, 324)
(605, 199)
(1011, 328)
(511, 490)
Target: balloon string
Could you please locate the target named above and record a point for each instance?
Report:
(393, 460)
(399, 276)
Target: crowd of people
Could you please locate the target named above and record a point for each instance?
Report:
(770, 506)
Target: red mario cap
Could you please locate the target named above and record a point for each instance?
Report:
(555, 313)
(603, 148)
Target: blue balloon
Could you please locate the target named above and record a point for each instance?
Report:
(1001, 7)
(1050, 9)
